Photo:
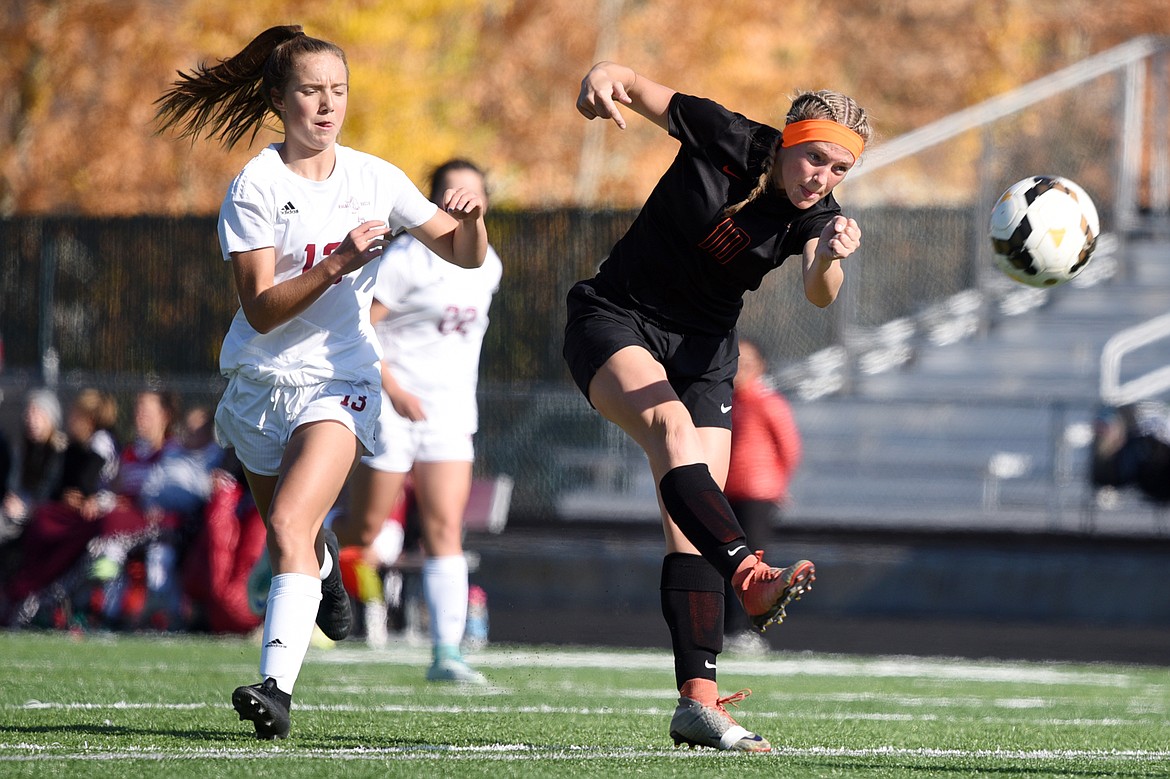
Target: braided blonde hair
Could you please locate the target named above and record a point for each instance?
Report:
(823, 104)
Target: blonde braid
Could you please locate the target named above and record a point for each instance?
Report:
(828, 104)
(824, 104)
(761, 185)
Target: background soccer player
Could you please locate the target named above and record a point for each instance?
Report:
(431, 319)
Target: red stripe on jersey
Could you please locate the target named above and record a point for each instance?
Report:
(725, 241)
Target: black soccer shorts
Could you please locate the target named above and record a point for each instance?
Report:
(700, 368)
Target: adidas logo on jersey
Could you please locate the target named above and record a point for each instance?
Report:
(288, 208)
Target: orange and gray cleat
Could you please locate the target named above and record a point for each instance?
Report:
(711, 726)
(765, 591)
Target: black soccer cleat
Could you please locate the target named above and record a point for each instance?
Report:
(334, 615)
(267, 706)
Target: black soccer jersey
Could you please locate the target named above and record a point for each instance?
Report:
(682, 262)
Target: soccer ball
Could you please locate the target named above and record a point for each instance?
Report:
(1043, 230)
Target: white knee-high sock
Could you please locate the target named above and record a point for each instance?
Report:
(445, 590)
(288, 625)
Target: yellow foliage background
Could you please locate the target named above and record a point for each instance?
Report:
(496, 81)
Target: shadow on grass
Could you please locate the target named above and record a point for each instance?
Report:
(242, 734)
(118, 731)
(1097, 769)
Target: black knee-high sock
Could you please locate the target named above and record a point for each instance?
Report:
(692, 604)
(702, 513)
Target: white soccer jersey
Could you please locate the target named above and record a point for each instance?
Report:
(432, 336)
(269, 205)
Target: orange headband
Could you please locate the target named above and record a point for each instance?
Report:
(823, 130)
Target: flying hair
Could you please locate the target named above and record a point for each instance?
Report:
(233, 98)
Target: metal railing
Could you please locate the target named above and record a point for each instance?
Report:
(1116, 392)
(1135, 59)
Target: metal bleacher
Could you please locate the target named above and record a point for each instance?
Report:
(977, 415)
(975, 412)
(986, 433)
(991, 432)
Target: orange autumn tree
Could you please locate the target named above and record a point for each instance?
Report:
(496, 80)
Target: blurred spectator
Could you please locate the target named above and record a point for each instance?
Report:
(132, 516)
(42, 452)
(144, 586)
(7, 475)
(1131, 448)
(60, 528)
(180, 481)
(9, 529)
(226, 547)
(91, 457)
(765, 452)
(178, 486)
(156, 415)
(7, 464)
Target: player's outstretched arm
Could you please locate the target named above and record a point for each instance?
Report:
(608, 86)
(456, 232)
(267, 304)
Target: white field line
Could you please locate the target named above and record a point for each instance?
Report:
(778, 664)
(648, 711)
(528, 753)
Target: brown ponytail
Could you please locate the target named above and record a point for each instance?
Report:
(228, 100)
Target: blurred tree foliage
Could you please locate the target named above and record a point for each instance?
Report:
(496, 80)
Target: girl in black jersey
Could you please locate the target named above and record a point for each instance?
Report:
(651, 339)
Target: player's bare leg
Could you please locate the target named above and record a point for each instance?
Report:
(294, 505)
(442, 490)
(371, 541)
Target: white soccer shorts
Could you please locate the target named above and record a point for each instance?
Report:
(403, 443)
(258, 419)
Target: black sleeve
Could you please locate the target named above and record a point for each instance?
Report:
(704, 127)
(50, 477)
(722, 137)
(810, 224)
(815, 223)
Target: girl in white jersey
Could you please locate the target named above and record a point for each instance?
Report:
(301, 225)
(431, 319)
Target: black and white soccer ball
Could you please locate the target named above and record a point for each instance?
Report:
(1044, 230)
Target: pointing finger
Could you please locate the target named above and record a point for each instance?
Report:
(615, 114)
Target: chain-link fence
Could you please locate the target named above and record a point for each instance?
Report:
(123, 302)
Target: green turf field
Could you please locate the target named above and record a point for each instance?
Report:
(154, 706)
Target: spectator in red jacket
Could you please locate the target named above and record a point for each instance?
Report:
(765, 452)
(61, 526)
